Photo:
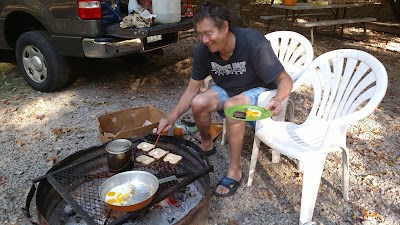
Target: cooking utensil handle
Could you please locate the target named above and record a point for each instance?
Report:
(167, 179)
(157, 139)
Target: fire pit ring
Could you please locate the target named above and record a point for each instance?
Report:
(53, 188)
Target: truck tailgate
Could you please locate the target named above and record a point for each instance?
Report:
(129, 33)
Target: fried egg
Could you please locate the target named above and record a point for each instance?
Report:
(253, 112)
(121, 195)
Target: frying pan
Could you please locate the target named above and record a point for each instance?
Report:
(146, 185)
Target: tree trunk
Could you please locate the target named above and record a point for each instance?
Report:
(395, 7)
(234, 7)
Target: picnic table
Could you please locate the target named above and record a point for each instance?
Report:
(298, 10)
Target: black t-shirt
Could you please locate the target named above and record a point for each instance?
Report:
(252, 64)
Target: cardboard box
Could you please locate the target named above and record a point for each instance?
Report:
(129, 123)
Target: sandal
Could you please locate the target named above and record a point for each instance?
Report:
(211, 152)
(230, 184)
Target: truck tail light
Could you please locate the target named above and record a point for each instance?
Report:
(89, 9)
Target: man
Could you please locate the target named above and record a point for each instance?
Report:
(243, 65)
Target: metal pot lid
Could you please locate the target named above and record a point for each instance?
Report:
(119, 146)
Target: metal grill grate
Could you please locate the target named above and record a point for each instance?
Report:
(79, 184)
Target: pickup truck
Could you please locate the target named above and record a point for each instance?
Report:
(43, 33)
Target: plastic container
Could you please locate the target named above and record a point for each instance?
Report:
(189, 11)
(167, 11)
(178, 131)
(147, 4)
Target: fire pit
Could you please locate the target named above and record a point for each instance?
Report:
(68, 193)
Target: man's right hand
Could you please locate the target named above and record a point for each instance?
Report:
(183, 106)
(165, 124)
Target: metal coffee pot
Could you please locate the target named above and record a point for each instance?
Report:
(119, 155)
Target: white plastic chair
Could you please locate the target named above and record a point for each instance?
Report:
(348, 85)
(295, 52)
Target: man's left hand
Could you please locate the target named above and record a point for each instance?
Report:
(275, 106)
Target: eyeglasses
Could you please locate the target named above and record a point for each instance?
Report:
(207, 34)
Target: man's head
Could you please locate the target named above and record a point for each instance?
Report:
(217, 14)
(212, 25)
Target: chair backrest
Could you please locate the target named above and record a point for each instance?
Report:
(293, 50)
(348, 85)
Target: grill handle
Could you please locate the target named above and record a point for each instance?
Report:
(28, 204)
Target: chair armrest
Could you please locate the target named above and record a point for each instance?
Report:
(338, 128)
(265, 97)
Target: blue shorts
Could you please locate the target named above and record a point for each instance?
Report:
(251, 93)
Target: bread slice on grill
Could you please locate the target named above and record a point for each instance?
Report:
(157, 153)
(144, 146)
(145, 159)
(172, 158)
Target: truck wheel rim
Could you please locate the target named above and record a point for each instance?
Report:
(34, 63)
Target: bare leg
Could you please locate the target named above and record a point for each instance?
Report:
(202, 107)
(235, 132)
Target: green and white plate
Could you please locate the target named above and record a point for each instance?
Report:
(243, 108)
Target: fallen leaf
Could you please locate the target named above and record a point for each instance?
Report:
(12, 109)
(19, 143)
(366, 213)
(268, 194)
(5, 102)
(378, 174)
(39, 136)
(53, 159)
(18, 97)
(40, 117)
(379, 205)
(354, 216)
(99, 103)
(376, 131)
(63, 131)
(372, 181)
(392, 162)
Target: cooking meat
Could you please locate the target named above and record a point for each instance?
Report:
(239, 115)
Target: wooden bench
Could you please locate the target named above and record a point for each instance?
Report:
(314, 24)
(393, 28)
(268, 19)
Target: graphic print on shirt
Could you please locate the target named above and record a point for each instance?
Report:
(229, 69)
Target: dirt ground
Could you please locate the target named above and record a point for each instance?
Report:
(39, 129)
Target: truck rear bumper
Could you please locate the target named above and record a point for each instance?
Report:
(113, 47)
(104, 48)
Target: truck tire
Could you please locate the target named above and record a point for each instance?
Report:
(43, 68)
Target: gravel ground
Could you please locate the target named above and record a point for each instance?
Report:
(40, 129)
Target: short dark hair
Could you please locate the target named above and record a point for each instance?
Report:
(214, 12)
